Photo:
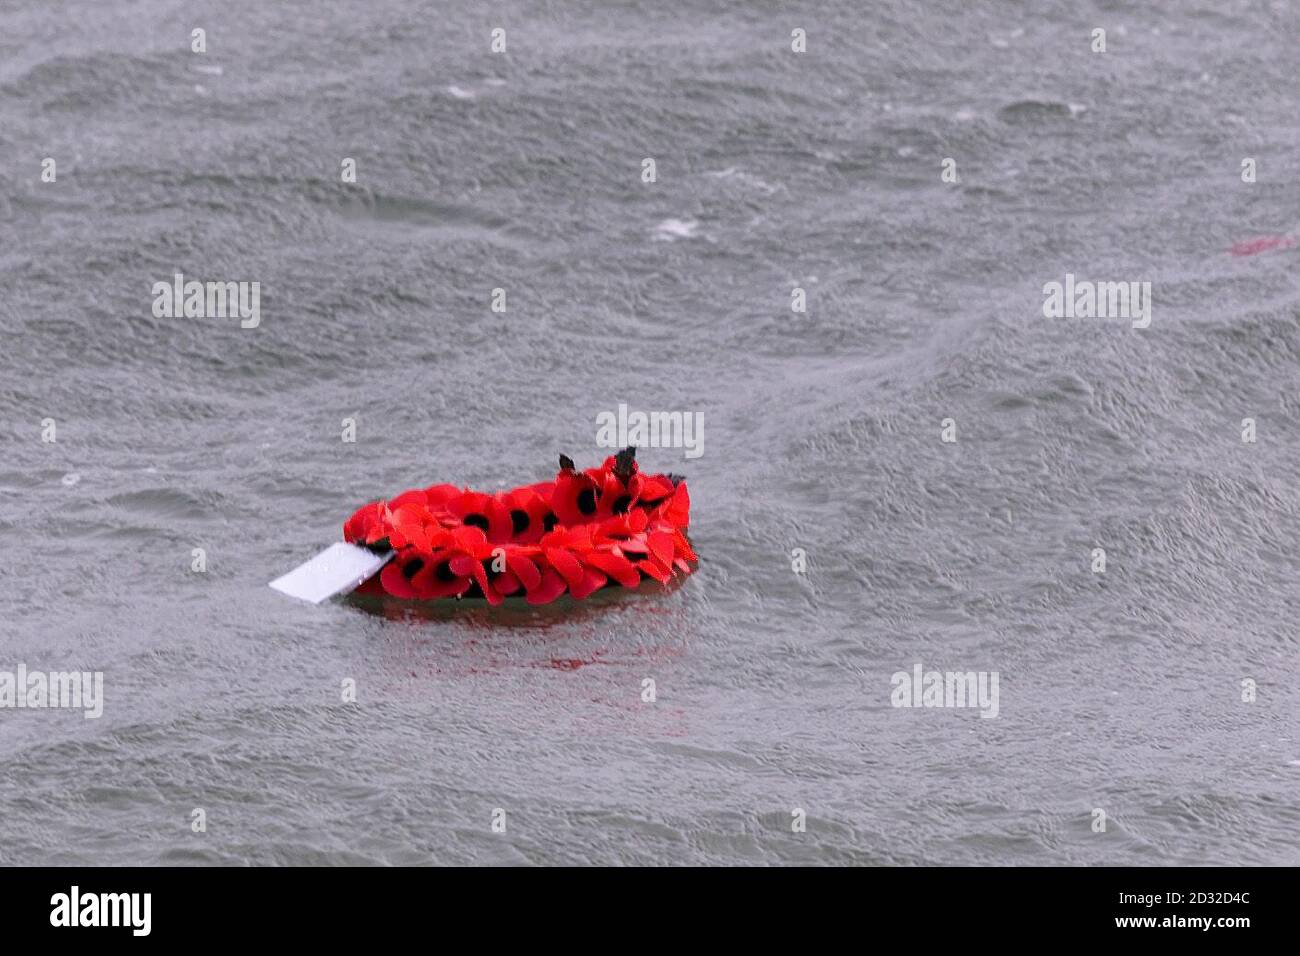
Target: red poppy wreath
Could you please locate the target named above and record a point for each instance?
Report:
(577, 534)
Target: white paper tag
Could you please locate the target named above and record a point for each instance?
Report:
(339, 568)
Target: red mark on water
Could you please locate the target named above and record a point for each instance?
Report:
(571, 663)
(1252, 247)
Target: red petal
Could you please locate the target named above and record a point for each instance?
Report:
(568, 566)
(431, 586)
(366, 518)
(655, 488)
(551, 587)
(472, 567)
(463, 565)
(617, 567)
(395, 582)
(655, 571)
(684, 546)
(472, 541)
(661, 545)
(500, 527)
(506, 583)
(636, 545)
(408, 498)
(524, 569)
(592, 580)
(437, 496)
(678, 510)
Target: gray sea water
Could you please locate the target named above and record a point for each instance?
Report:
(1119, 692)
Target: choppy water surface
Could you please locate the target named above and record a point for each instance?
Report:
(1119, 691)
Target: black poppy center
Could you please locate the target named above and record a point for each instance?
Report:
(621, 504)
(412, 568)
(476, 521)
(519, 518)
(549, 522)
(444, 572)
(587, 501)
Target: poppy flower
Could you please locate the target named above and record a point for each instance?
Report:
(575, 498)
(485, 512)
(411, 525)
(401, 577)
(367, 519)
(437, 496)
(616, 496)
(529, 512)
(437, 579)
(465, 566)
